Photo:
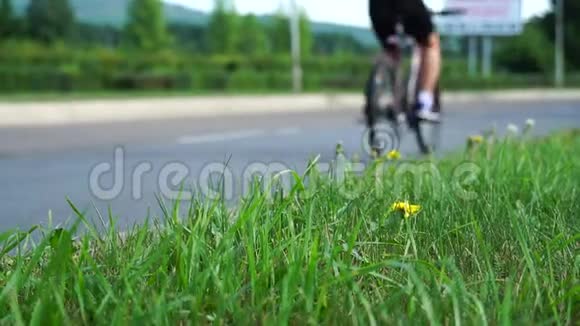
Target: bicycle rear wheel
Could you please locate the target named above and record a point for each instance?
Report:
(383, 131)
(427, 134)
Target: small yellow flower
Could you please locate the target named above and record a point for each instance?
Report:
(406, 208)
(476, 139)
(394, 155)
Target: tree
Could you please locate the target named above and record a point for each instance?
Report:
(571, 28)
(280, 35)
(92, 34)
(306, 37)
(533, 50)
(336, 43)
(525, 53)
(6, 19)
(189, 37)
(146, 28)
(252, 37)
(222, 32)
(49, 20)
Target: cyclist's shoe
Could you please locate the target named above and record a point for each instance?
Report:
(425, 106)
(428, 115)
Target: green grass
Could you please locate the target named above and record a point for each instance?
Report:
(142, 94)
(329, 252)
(111, 94)
(48, 96)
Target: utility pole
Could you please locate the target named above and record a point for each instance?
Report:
(295, 36)
(559, 69)
(487, 56)
(472, 55)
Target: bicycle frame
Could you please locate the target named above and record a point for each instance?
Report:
(403, 42)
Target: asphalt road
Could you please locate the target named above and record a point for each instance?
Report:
(41, 167)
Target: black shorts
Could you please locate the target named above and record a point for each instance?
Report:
(415, 17)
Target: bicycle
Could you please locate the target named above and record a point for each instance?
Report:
(403, 88)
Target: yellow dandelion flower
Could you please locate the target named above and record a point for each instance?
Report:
(394, 155)
(476, 139)
(406, 208)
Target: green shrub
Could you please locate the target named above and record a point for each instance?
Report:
(499, 81)
(312, 82)
(342, 81)
(248, 80)
(211, 79)
(150, 81)
(45, 79)
(280, 80)
(269, 63)
(30, 67)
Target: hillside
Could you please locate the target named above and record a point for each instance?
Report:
(113, 12)
(363, 35)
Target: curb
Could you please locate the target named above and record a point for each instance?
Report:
(533, 95)
(115, 110)
(118, 110)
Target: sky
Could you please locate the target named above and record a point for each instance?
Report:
(348, 12)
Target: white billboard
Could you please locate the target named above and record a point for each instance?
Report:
(482, 17)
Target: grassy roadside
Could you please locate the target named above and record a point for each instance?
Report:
(105, 95)
(143, 94)
(493, 239)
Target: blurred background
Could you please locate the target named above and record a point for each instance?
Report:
(208, 46)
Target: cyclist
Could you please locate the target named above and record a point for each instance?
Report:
(417, 22)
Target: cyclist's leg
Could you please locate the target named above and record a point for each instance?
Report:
(418, 23)
(432, 60)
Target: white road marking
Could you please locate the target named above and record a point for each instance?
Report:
(235, 135)
(288, 131)
(219, 137)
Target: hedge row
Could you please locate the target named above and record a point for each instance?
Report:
(28, 67)
(43, 79)
(39, 80)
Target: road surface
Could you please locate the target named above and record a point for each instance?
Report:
(41, 167)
